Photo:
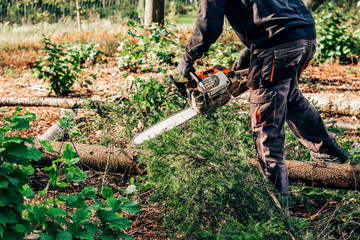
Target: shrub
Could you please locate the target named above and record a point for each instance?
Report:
(62, 65)
(335, 39)
(59, 216)
(148, 52)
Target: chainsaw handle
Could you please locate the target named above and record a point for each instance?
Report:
(198, 81)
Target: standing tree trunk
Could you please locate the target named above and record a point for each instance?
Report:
(154, 12)
(78, 15)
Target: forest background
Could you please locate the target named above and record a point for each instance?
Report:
(195, 182)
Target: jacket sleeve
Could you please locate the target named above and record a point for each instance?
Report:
(208, 28)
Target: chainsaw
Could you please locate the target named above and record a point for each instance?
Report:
(205, 92)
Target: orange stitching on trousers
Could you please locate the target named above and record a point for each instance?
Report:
(258, 115)
(272, 70)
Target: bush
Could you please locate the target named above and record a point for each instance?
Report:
(335, 39)
(148, 52)
(58, 215)
(62, 65)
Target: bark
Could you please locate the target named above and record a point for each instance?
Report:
(56, 131)
(95, 157)
(45, 102)
(154, 12)
(344, 124)
(314, 174)
(320, 174)
(78, 15)
(336, 103)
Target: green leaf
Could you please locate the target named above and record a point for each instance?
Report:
(69, 156)
(131, 207)
(113, 203)
(4, 183)
(130, 189)
(28, 170)
(56, 212)
(106, 237)
(90, 227)
(39, 214)
(48, 146)
(81, 216)
(106, 215)
(1, 232)
(27, 192)
(45, 237)
(34, 154)
(89, 192)
(120, 223)
(63, 235)
(107, 192)
(20, 228)
(17, 150)
(74, 174)
(85, 235)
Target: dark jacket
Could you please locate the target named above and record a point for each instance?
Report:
(258, 23)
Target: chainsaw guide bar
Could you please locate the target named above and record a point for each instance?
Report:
(206, 92)
(164, 126)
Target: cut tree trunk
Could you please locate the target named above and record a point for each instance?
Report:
(336, 103)
(314, 174)
(95, 157)
(56, 131)
(320, 174)
(45, 102)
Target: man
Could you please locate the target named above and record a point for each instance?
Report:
(280, 40)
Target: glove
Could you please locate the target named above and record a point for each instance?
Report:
(242, 61)
(185, 68)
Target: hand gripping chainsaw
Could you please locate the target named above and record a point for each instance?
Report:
(205, 93)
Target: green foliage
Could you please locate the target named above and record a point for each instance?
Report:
(15, 154)
(336, 41)
(62, 65)
(148, 51)
(206, 184)
(50, 217)
(64, 216)
(224, 54)
(149, 103)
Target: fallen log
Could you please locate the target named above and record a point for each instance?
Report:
(321, 174)
(344, 124)
(56, 131)
(45, 102)
(94, 157)
(314, 174)
(336, 103)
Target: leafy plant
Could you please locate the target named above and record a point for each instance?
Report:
(74, 222)
(16, 154)
(62, 66)
(224, 54)
(59, 216)
(335, 40)
(147, 52)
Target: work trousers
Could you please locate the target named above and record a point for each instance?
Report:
(275, 99)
